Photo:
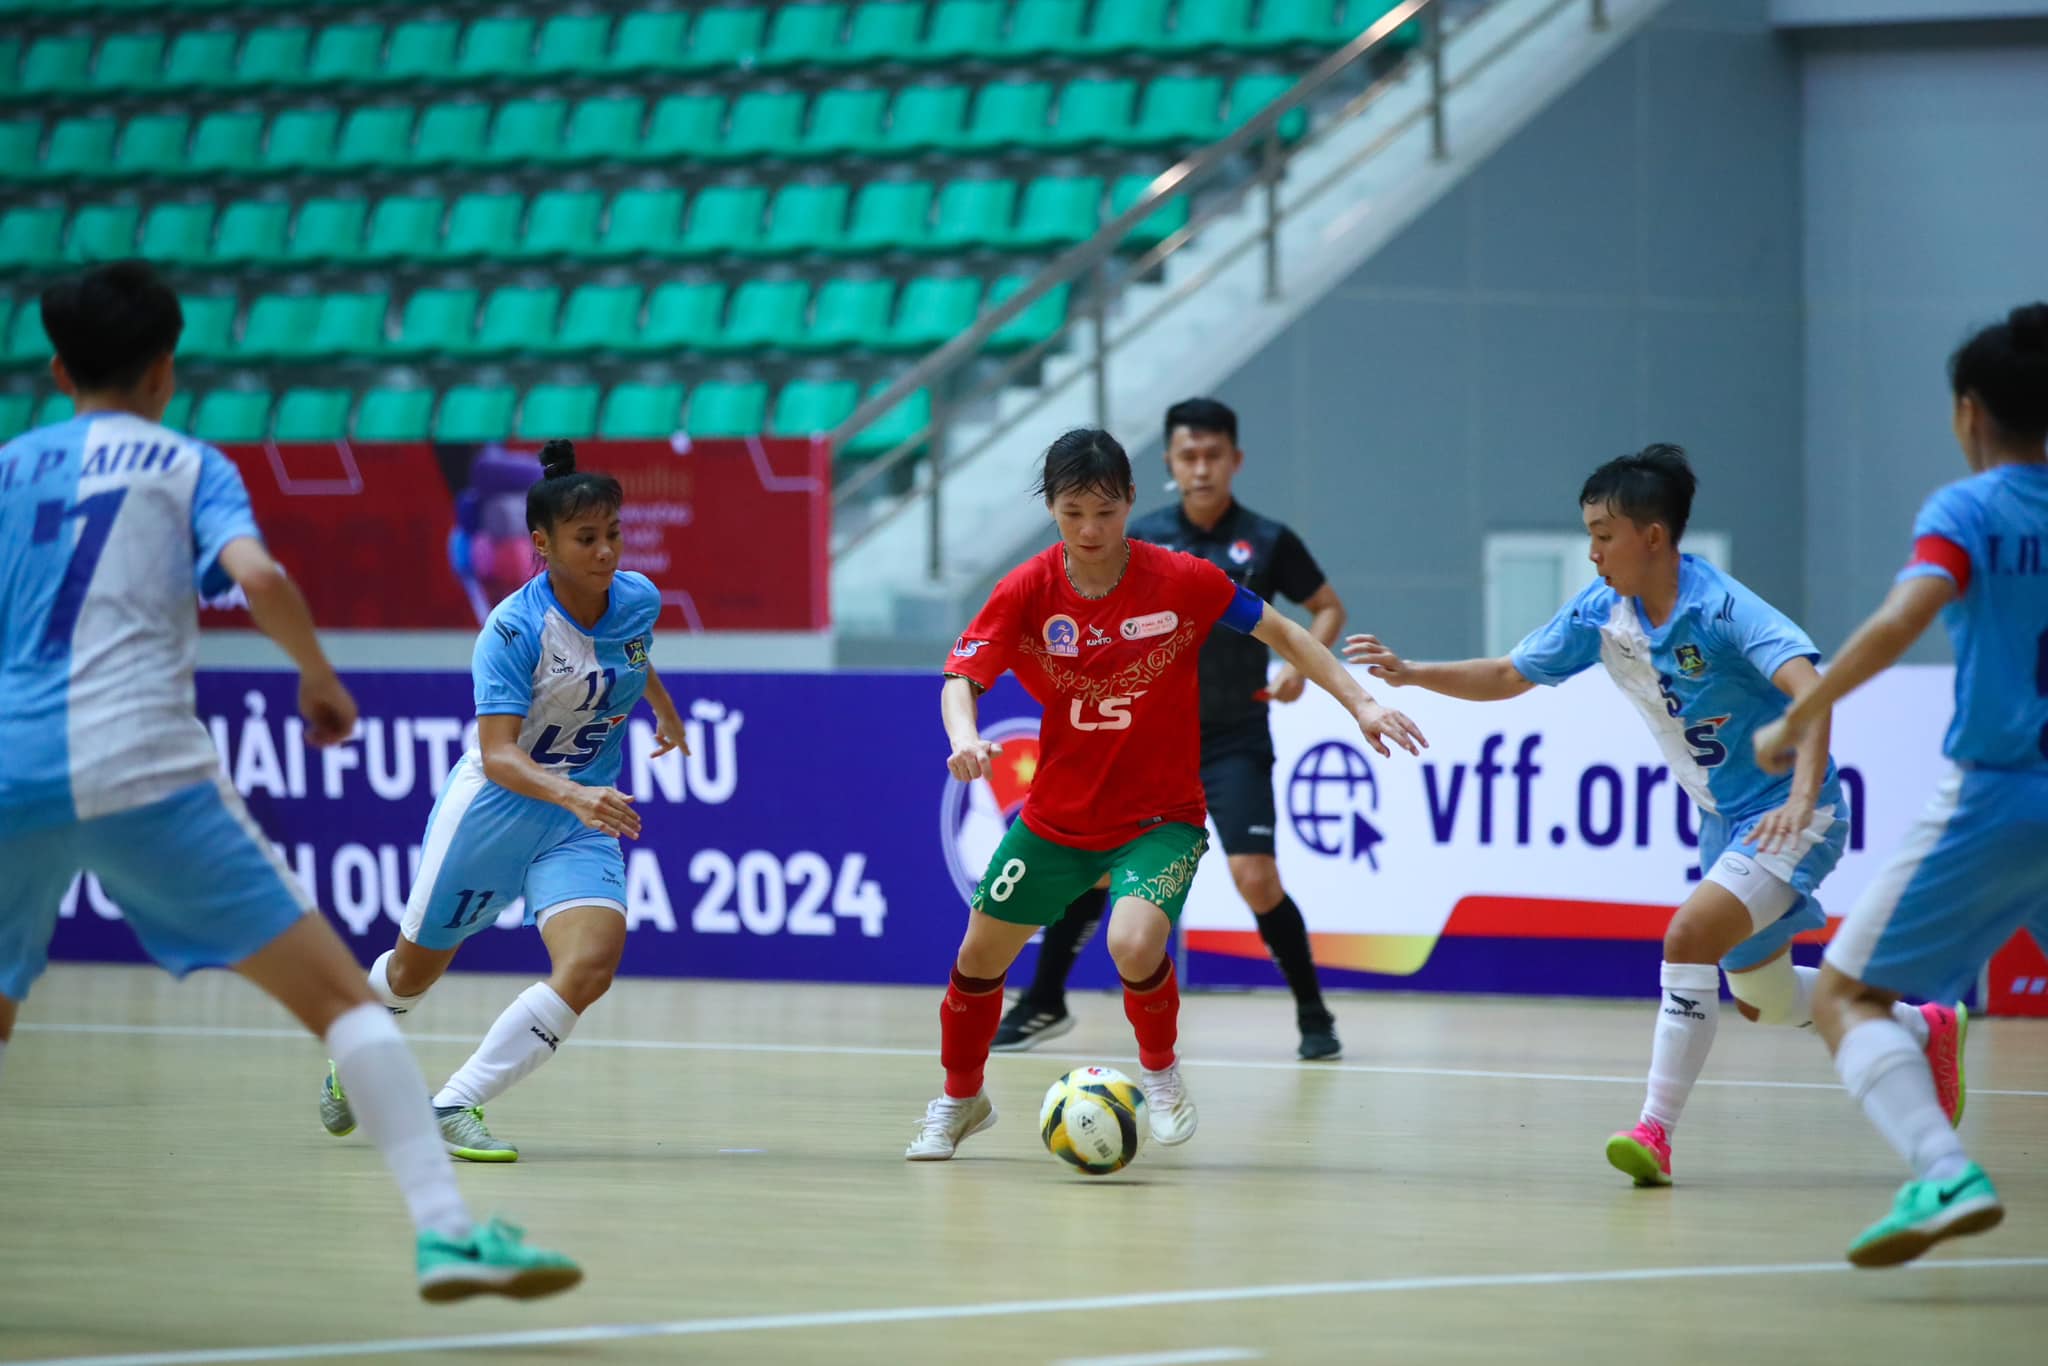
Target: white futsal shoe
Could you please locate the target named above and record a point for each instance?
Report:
(1167, 1102)
(947, 1123)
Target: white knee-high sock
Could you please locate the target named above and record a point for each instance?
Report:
(1912, 1021)
(1886, 1073)
(521, 1039)
(1688, 1012)
(1908, 1017)
(386, 1090)
(380, 983)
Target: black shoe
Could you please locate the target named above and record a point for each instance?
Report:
(1028, 1025)
(1319, 1040)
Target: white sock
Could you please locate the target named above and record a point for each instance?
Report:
(1688, 1012)
(1912, 1021)
(1802, 1014)
(384, 1087)
(521, 1039)
(1883, 1068)
(380, 984)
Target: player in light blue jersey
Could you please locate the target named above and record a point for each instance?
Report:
(1706, 662)
(1971, 871)
(109, 525)
(533, 811)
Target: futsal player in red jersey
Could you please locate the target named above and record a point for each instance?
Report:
(1104, 632)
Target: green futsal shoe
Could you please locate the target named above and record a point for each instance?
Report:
(335, 1115)
(493, 1260)
(462, 1129)
(1925, 1213)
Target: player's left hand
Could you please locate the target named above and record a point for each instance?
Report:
(668, 734)
(1287, 685)
(1379, 724)
(1780, 830)
(1777, 746)
(328, 707)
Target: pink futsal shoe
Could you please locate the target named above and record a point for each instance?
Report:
(1643, 1152)
(1946, 1030)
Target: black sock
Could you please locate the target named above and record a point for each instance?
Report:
(1286, 939)
(1060, 946)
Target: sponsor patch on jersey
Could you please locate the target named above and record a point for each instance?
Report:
(559, 665)
(967, 649)
(1098, 636)
(1240, 552)
(1690, 662)
(1152, 624)
(636, 652)
(1062, 635)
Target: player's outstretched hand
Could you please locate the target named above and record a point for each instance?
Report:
(1287, 686)
(1379, 724)
(329, 709)
(1780, 830)
(1777, 747)
(974, 761)
(668, 734)
(606, 809)
(1377, 658)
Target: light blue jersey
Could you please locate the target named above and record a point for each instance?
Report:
(1989, 536)
(487, 847)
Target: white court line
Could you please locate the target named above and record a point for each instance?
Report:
(1200, 1354)
(858, 1051)
(938, 1313)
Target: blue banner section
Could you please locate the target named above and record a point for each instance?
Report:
(810, 834)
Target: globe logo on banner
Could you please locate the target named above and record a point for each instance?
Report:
(974, 816)
(1329, 796)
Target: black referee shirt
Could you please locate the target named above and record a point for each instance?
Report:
(1265, 557)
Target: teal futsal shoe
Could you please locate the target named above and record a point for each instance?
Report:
(493, 1260)
(1925, 1213)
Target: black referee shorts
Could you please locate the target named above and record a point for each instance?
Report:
(1237, 777)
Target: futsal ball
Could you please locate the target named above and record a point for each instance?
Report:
(1092, 1120)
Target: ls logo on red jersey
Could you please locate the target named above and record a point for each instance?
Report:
(1108, 713)
(967, 649)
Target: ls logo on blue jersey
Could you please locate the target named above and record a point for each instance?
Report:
(1702, 738)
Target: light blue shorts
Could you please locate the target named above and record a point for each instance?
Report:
(1729, 855)
(1972, 871)
(194, 878)
(487, 846)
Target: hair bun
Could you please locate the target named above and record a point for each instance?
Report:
(2029, 326)
(557, 458)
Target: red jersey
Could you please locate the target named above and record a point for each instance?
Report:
(1120, 746)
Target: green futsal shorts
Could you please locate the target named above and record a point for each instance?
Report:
(1030, 879)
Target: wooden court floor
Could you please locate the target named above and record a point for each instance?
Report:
(738, 1194)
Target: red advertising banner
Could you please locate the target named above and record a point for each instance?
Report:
(2019, 978)
(411, 536)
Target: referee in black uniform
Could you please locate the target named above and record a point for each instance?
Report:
(1203, 457)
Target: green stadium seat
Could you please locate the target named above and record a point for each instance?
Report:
(202, 59)
(20, 142)
(177, 234)
(27, 345)
(328, 230)
(517, 318)
(1041, 319)
(302, 140)
(642, 410)
(482, 227)
(403, 225)
(562, 224)
(683, 126)
(1162, 223)
(812, 407)
(274, 58)
(422, 52)
(599, 318)
(17, 412)
(1208, 25)
(279, 327)
(526, 131)
(58, 64)
(129, 62)
(232, 415)
(765, 123)
(494, 48)
(348, 325)
(889, 215)
(551, 410)
(103, 232)
(650, 40)
(972, 214)
(1046, 28)
(724, 218)
(374, 136)
(804, 218)
(1008, 114)
(964, 31)
(682, 315)
(803, 35)
(436, 322)
(178, 412)
(473, 412)
(394, 414)
(933, 311)
(150, 145)
(56, 408)
(572, 45)
(881, 31)
(451, 134)
(32, 237)
(83, 149)
(725, 36)
(846, 123)
(926, 118)
(642, 223)
(909, 417)
(227, 142)
(603, 129)
(1127, 26)
(209, 326)
(10, 47)
(851, 313)
(1175, 110)
(1092, 112)
(721, 408)
(346, 54)
(253, 231)
(1299, 23)
(1254, 92)
(766, 314)
(311, 415)
(1058, 212)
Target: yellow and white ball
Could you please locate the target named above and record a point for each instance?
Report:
(1093, 1119)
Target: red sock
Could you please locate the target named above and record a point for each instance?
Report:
(967, 1026)
(1153, 1008)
